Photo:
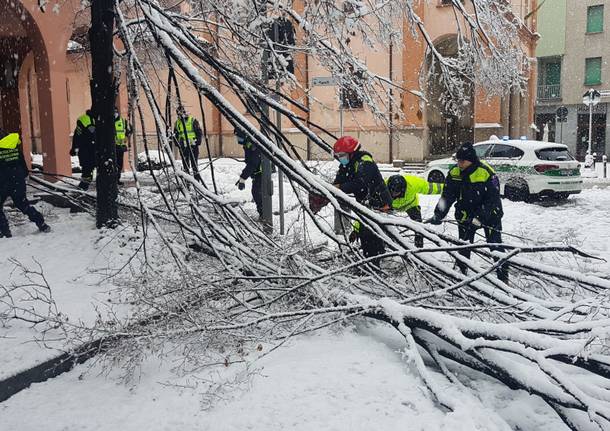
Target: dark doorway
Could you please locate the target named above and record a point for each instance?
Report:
(598, 144)
(448, 128)
(549, 121)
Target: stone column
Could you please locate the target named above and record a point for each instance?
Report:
(515, 116)
(524, 124)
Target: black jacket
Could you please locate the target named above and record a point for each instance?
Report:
(83, 140)
(476, 193)
(361, 177)
(252, 156)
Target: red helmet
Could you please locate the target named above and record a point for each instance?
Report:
(346, 144)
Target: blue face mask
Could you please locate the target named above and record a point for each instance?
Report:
(344, 160)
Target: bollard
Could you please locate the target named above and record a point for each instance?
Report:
(605, 162)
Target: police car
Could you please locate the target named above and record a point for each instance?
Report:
(526, 169)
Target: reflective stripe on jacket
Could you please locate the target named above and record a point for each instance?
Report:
(415, 186)
(9, 148)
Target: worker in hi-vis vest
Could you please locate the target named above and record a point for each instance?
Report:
(13, 172)
(188, 134)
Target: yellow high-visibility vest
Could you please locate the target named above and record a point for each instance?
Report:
(188, 135)
(120, 133)
(9, 148)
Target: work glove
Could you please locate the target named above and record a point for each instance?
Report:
(241, 184)
(433, 220)
(72, 152)
(353, 237)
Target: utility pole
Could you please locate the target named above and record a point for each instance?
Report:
(103, 96)
(267, 181)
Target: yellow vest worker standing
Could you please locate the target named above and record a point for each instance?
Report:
(83, 145)
(405, 191)
(122, 131)
(187, 132)
(13, 172)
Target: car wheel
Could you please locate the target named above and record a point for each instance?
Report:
(436, 177)
(561, 196)
(517, 191)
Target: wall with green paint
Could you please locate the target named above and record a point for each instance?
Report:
(552, 28)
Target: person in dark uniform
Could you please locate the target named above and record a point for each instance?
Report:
(13, 172)
(122, 131)
(253, 169)
(475, 189)
(405, 191)
(188, 133)
(359, 175)
(83, 145)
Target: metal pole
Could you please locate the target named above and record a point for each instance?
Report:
(267, 181)
(561, 132)
(278, 122)
(339, 220)
(590, 127)
(590, 121)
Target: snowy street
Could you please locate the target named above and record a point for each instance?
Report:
(352, 377)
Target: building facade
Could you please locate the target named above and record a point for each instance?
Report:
(44, 87)
(573, 54)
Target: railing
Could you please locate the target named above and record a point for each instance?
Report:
(549, 92)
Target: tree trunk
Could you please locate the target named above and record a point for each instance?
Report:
(102, 97)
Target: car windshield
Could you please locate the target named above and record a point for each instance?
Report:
(555, 154)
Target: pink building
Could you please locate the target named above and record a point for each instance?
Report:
(45, 87)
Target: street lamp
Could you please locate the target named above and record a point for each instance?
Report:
(590, 99)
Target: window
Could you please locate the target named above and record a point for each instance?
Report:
(350, 99)
(481, 150)
(595, 19)
(554, 154)
(593, 71)
(503, 151)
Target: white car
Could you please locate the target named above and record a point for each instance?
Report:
(526, 169)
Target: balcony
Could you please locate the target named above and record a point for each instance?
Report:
(549, 92)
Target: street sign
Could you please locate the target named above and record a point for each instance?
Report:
(591, 97)
(323, 81)
(562, 114)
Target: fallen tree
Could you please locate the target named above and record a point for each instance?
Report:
(256, 286)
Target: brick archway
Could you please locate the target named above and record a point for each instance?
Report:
(45, 39)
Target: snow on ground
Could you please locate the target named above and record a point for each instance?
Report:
(75, 258)
(328, 381)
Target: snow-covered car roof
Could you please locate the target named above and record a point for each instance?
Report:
(525, 144)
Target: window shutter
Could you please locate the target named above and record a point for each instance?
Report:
(593, 71)
(595, 19)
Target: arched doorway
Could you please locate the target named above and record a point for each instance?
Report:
(33, 91)
(446, 129)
